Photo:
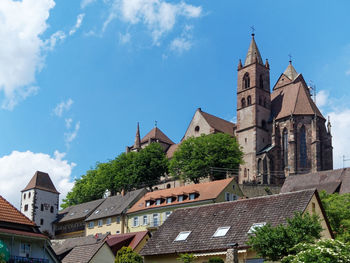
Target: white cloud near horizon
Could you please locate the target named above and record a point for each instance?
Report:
(17, 168)
(78, 24)
(21, 25)
(62, 107)
(158, 16)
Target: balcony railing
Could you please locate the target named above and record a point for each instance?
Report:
(17, 259)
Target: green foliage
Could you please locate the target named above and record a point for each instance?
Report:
(126, 255)
(195, 157)
(186, 258)
(216, 260)
(274, 243)
(127, 172)
(2, 258)
(323, 251)
(337, 208)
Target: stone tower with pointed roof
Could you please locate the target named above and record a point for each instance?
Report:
(253, 109)
(39, 201)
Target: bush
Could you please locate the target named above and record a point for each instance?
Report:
(216, 260)
(126, 255)
(186, 258)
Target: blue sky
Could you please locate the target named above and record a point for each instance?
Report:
(76, 77)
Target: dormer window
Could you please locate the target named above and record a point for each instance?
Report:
(158, 201)
(180, 198)
(169, 200)
(182, 236)
(255, 226)
(192, 196)
(148, 203)
(221, 231)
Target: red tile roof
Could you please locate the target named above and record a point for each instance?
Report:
(22, 233)
(206, 191)
(41, 181)
(133, 238)
(8, 213)
(219, 124)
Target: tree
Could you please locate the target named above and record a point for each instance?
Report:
(323, 251)
(273, 243)
(186, 258)
(216, 260)
(127, 255)
(337, 209)
(195, 157)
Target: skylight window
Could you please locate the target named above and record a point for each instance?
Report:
(221, 231)
(86, 210)
(182, 236)
(255, 226)
(97, 211)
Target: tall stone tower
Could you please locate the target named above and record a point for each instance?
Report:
(39, 201)
(253, 110)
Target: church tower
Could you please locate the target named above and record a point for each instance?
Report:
(253, 110)
(39, 202)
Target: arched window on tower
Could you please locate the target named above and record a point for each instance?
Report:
(263, 124)
(302, 153)
(261, 81)
(285, 147)
(243, 102)
(249, 100)
(246, 81)
(260, 100)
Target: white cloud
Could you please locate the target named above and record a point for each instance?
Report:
(17, 168)
(85, 3)
(322, 98)
(22, 23)
(68, 122)
(71, 135)
(62, 107)
(340, 120)
(56, 37)
(124, 38)
(158, 16)
(77, 25)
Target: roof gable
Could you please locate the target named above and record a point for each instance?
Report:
(8, 213)
(239, 215)
(41, 181)
(219, 124)
(156, 134)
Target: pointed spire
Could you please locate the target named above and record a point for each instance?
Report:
(290, 71)
(253, 54)
(329, 126)
(267, 65)
(240, 64)
(137, 144)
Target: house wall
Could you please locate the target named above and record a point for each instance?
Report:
(143, 242)
(317, 210)
(103, 255)
(113, 228)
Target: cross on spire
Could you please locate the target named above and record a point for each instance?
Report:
(155, 123)
(253, 30)
(290, 58)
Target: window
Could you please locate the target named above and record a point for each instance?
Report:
(221, 231)
(285, 147)
(249, 100)
(25, 208)
(24, 250)
(108, 221)
(313, 207)
(91, 224)
(97, 211)
(255, 226)
(265, 103)
(261, 81)
(169, 200)
(158, 201)
(180, 198)
(118, 220)
(156, 220)
(29, 194)
(182, 236)
(246, 81)
(135, 221)
(86, 210)
(260, 100)
(303, 154)
(117, 232)
(145, 220)
(100, 222)
(51, 209)
(148, 203)
(167, 214)
(24, 196)
(41, 221)
(197, 128)
(263, 124)
(42, 207)
(243, 102)
(228, 196)
(192, 196)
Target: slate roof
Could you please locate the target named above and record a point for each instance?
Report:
(331, 181)
(253, 53)
(239, 215)
(156, 134)
(293, 98)
(206, 191)
(219, 124)
(255, 190)
(8, 213)
(115, 205)
(82, 254)
(41, 181)
(171, 150)
(78, 212)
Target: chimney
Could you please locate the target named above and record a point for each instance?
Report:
(123, 192)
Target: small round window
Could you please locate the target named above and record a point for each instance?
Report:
(196, 129)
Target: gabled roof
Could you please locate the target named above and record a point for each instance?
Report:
(331, 181)
(253, 54)
(156, 134)
(206, 191)
(239, 215)
(132, 240)
(78, 212)
(41, 181)
(82, 254)
(218, 124)
(8, 213)
(293, 98)
(116, 205)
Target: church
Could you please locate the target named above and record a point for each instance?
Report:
(281, 131)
